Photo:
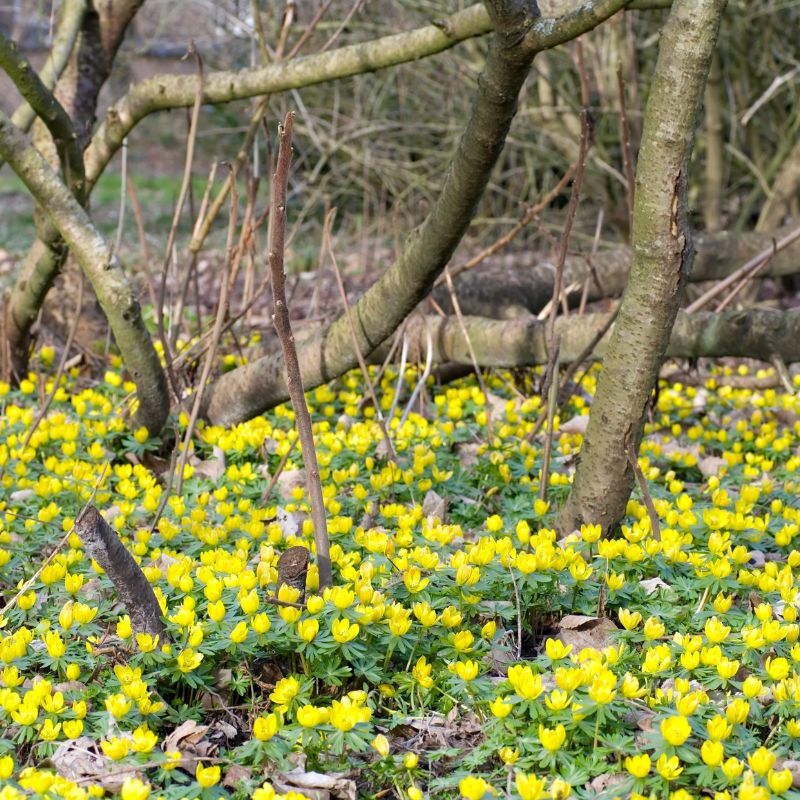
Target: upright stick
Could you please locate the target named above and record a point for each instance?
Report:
(294, 382)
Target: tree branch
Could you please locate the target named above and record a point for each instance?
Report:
(48, 109)
(101, 267)
(69, 25)
(252, 388)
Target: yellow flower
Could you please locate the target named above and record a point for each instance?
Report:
(712, 753)
(552, 738)
(144, 740)
(777, 668)
(654, 628)
(410, 761)
(422, 673)
(529, 786)
(264, 728)
(779, 782)
(115, 748)
(285, 691)
(675, 730)
(719, 728)
(189, 660)
(207, 776)
(527, 685)
(344, 631)
(6, 767)
(638, 766)
(466, 670)
(381, 745)
(55, 644)
(307, 629)
(732, 768)
(473, 788)
(668, 767)
(761, 761)
(118, 705)
(239, 633)
(508, 755)
(737, 711)
(500, 708)
(133, 788)
(146, 643)
(556, 649)
(716, 631)
(629, 619)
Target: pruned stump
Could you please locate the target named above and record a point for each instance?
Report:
(133, 589)
(293, 568)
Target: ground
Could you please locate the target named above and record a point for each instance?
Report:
(464, 649)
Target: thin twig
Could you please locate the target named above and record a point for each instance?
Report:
(553, 341)
(530, 214)
(231, 258)
(278, 470)
(326, 236)
(173, 231)
(750, 266)
(294, 381)
(470, 349)
(642, 481)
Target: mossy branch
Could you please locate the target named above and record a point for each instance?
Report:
(49, 110)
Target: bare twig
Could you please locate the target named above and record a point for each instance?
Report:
(750, 266)
(470, 349)
(642, 481)
(231, 258)
(283, 327)
(530, 214)
(553, 341)
(173, 231)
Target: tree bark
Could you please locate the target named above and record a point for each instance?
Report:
(251, 389)
(754, 333)
(662, 259)
(133, 590)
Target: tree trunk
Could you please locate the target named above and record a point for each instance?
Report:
(662, 259)
(102, 30)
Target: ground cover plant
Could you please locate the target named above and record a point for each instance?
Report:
(441, 663)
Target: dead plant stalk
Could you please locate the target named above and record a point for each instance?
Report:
(294, 382)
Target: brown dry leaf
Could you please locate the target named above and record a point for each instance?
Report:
(81, 760)
(315, 785)
(434, 506)
(212, 468)
(578, 424)
(189, 739)
(608, 782)
(581, 631)
(467, 454)
(288, 480)
(711, 465)
(235, 775)
(652, 585)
